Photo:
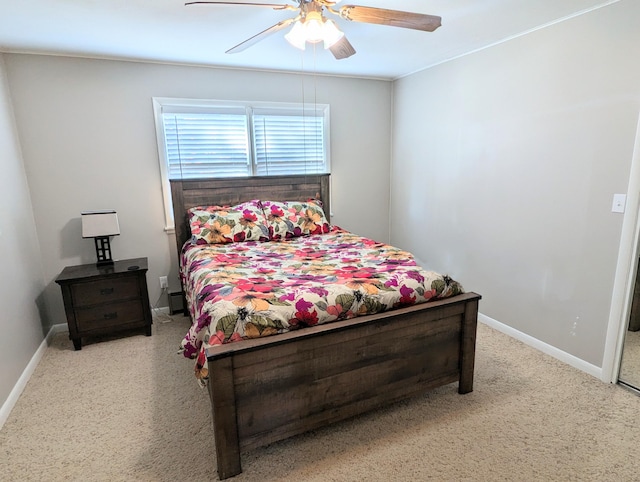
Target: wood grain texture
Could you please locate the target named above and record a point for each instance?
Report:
(468, 347)
(268, 389)
(102, 300)
(223, 405)
(394, 18)
(189, 193)
(292, 383)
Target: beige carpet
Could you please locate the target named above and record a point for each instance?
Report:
(128, 409)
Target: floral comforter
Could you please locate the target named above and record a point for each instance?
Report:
(254, 289)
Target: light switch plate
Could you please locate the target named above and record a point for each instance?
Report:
(619, 201)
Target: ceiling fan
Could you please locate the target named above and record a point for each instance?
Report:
(310, 24)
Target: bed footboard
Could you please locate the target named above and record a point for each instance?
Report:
(272, 388)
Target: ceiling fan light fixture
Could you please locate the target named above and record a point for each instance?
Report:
(310, 25)
(314, 27)
(331, 34)
(297, 36)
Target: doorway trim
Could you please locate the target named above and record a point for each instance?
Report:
(626, 270)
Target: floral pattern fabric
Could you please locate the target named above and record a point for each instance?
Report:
(225, 224)
(292, 219)
(255, 289)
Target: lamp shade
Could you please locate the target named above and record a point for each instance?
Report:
(99, 223)
(313, 29)
(296, 36)
(330, 33)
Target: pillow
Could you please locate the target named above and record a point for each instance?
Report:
(228, 224)
(290, 219)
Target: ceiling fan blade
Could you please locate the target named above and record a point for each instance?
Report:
(395, 18)
(342, 49)
(265, 33)
(270, 5)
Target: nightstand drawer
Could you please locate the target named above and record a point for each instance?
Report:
(105, 291)
(101, 300)
(105, 316)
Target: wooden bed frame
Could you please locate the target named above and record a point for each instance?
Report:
(272, 388)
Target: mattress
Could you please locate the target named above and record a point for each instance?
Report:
(254, 289)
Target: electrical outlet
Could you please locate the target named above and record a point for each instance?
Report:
(619, 200)
(164, 284)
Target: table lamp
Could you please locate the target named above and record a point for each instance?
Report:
(99, 225)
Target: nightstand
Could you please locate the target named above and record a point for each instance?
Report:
(106, 299)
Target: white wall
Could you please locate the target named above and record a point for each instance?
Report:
(22, 284)
(519, 150)
(89, 142)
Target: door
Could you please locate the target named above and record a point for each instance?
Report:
(630, 363)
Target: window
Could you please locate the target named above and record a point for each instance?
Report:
(205, 139)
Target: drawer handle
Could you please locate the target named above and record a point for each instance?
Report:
(111, 316)
(106, 291)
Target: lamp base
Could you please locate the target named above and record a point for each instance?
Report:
(103, 251)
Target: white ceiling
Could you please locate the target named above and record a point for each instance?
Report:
(169, 31)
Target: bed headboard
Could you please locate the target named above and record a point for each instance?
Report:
(188, 193)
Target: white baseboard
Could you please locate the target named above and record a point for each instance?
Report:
(564, 357)
(542, 346)
(11, 401)
(163, 310)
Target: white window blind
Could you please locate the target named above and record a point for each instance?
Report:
(206, 145)
(288, 144)
(220, 139)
